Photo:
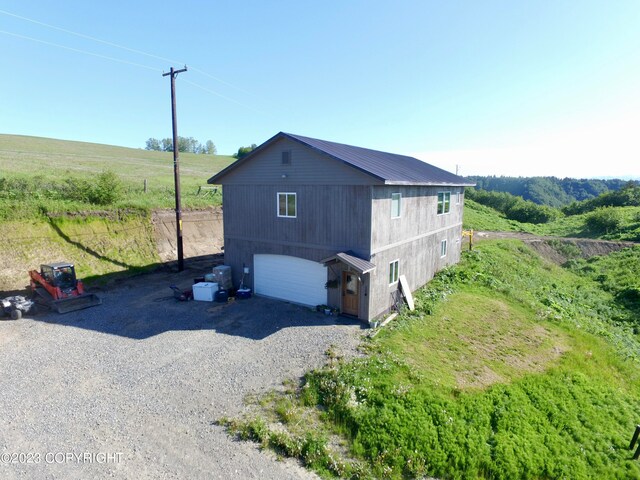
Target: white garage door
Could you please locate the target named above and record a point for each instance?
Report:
(290, 278)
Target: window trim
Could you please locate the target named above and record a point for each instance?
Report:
(445, 194)
(443, 246)
(458, 198)
(399, 204)
(295, 196)
(395, 278)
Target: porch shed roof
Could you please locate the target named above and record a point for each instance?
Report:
(358, 264)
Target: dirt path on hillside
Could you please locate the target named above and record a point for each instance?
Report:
(547, 246)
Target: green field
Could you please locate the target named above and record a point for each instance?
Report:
(38, 174)
(510, 367)
(481, 217)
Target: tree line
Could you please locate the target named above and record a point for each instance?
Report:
(185, 144)
(551, 191)
(602, 215)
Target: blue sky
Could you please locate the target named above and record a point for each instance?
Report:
(492, 87)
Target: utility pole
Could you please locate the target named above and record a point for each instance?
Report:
(176, 167)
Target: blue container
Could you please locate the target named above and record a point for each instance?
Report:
(243, 293)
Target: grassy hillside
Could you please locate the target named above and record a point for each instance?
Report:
(97, 245)
(38, 173)
(482, 217)
(510, 367)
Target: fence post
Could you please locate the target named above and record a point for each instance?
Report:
(145, 185)
(634, 439)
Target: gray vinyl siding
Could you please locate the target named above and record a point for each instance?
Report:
(418, 214)
(419, 261)
(328, 217)
(413, 238)
(307, 167)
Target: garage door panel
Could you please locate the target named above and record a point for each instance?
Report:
(290, 278)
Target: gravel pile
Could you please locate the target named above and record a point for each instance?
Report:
(130, 389)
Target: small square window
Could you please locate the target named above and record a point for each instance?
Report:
(396, 200)
(287, 205)
(286, 157)
(444, 202)
(443, 248)
(393, 271)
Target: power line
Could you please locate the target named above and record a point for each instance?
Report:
(213, 92)
(127, 62)
(122, 47)
(88, 37)
(77, 50)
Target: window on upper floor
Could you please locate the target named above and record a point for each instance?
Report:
(444, 202)
(287, 204)
(286, 157)
(393, 271)
(396, 200)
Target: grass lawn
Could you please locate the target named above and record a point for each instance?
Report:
(510, 367)
(35, 169)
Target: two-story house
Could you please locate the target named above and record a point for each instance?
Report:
(317, 222)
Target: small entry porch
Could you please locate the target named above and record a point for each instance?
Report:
(348, 284)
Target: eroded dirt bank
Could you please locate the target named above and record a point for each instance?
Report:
(558, 249)
(202, 233)
(101, 243)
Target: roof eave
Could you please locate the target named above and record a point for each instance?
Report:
(430, 184)
(215, 179)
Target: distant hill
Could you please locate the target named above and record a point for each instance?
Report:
(51, 158)
(45, 175)
(551, 191)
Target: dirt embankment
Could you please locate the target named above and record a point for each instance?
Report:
(100, 243)
(201, 231)
(558, 249)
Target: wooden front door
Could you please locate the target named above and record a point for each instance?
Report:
(350, 293)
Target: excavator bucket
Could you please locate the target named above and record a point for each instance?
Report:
(71, 304)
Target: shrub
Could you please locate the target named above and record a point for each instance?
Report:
(529, 212)
(106, 190)
(604, 220)
(514, 208)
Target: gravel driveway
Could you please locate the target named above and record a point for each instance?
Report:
(130, 389)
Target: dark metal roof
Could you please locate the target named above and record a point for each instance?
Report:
(358, 264)
(390, 168)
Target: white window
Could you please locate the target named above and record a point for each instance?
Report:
(396, 199)
(458, 195)
(444, 202)
(443, 248)
(287, 204)
(393, 271)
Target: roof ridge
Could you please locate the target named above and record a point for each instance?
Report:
(386, 167)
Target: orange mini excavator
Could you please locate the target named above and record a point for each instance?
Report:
(58, 288)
